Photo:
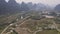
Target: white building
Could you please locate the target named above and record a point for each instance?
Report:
(47, 16)
(21, 17)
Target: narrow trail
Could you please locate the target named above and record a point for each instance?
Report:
(56, 27)
(37, 31)
(14, 23)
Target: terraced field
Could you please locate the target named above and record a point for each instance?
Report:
(47, 32)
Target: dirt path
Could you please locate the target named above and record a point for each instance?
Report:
(13, 24)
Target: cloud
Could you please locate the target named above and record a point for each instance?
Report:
(6, 0)
(49, 2)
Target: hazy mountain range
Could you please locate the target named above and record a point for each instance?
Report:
(12, 6)
(57, 8)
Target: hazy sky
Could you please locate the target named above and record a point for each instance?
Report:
(49, 2)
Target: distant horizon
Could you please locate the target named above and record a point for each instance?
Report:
(52, 3)
(47, 2)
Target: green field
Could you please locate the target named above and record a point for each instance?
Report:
(48, 32)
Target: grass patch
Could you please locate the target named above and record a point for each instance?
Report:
(1, 28)
(48, 32)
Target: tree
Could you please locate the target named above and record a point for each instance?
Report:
(53, 14)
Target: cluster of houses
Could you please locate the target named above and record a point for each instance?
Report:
(49, 27)
(50, 14)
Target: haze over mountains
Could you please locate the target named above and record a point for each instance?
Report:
(12, 6)
(57, 8)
